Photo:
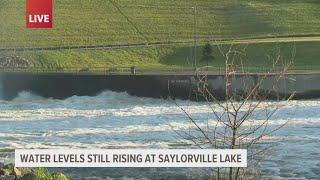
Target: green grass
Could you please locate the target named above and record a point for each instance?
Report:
(172, 57)
(44, 174)
(35, 174)
(99, 22)
(83, 22)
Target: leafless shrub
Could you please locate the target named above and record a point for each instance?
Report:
(242, 119)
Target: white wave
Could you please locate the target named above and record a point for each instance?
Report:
(20, 144)
(41, 111)
(44, 114)
(119, 99)
(16, 135)
(162, 127)
(25, 96)
(32, 107)
(174, 126)
(292, 138)
(106, 145)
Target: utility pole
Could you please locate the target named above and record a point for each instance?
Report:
(195, 36)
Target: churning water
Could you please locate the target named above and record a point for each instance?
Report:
(118, 120)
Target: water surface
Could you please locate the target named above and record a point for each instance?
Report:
(118, 120)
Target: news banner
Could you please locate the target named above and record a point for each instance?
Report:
(131, 158)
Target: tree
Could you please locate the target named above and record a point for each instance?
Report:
(207, 54)
(241, 120)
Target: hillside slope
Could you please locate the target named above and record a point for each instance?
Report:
(85, 22)
(107, 22)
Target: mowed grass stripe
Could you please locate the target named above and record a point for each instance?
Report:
(172, 57)
(83, 22)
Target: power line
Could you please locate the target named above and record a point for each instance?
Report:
(127, 18)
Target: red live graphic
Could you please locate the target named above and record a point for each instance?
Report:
(39, 13)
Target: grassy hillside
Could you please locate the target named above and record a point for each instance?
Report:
(84, 22)
(99, 22)
(175, 58)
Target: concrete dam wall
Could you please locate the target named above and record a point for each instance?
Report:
(64, 85)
